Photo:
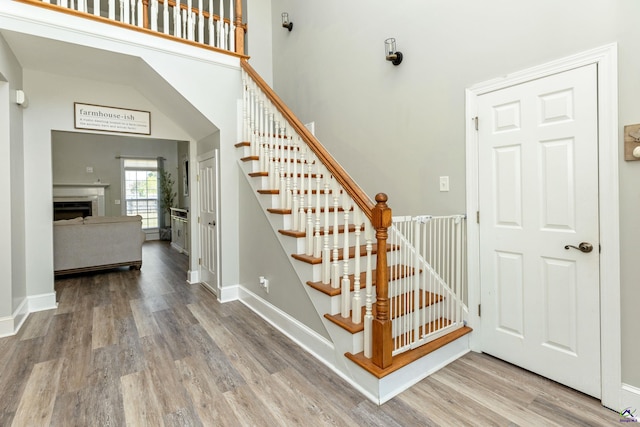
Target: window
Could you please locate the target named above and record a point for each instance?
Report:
(141, 190)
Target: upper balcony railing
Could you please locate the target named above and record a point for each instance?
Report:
(206, 23)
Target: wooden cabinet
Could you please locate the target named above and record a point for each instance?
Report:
(180, 230)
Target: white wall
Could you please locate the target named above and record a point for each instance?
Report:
(12, 225)
(397, 129)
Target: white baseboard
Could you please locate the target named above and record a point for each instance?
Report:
(42, 302)
(227, 293)
(9, 325)
(193, 277)
(629, 398)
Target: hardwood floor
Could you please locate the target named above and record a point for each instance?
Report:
(144, 348)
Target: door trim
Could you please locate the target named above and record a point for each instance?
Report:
(606, 59)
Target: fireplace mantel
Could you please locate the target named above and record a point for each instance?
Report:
(81, 191)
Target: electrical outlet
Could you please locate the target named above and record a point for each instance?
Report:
(89, 169)
(116, 201)
(444, 183)
(264, 283)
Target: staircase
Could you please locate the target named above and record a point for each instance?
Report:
(334, 236)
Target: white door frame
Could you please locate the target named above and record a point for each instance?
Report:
(606, 59)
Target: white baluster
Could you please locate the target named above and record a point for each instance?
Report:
(189, 33)
(139, 14)
(220, 43)
(346, 283)
(290, 154)
(326, 250)
(165, 16)
(82, 6)
(272, 153)
(317, 238)
(226, 36)
(356, 311)
(294, 189)
(177, 20)
(96, 7)
(335, 266)
(124, 11)
(64, 3)
(185, 24)
(232, 43)
(309, 228)
(368, 314)
(261, 125)
(210, 27)
(112, 9)
(200, 23)
(300, 221)
(154, 15)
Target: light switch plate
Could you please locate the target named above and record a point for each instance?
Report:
(444, 183)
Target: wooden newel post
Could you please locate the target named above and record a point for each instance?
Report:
(382, 340)
(239, 35)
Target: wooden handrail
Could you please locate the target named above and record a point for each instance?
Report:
(85, 15)
(357, 194)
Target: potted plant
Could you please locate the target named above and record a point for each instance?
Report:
(167, 199)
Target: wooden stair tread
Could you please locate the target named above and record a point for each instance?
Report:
(404, 359)
(279, 211)
(328, 290)
(276, 191)
(287, 175)
(426, 299)
(298, 234)
(310, 259)
(242, 144)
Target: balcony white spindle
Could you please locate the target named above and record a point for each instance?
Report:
(346, 283)
(335, 265)
(64, 3)
(252, 123)
(189, 33)
(154, 15)
(232, 42)
(165, 17)
(139, 14)
(111, 14)
(200, 23)
(82, 5)
(211, 25)
(177, 20)
(326, 250)
(96, 7)
(124, 11)
(220, 43)
(368, 303)
(356, 309)
(263, 149)
(185, 24)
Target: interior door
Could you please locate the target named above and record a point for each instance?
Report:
(207, 222)
(538, 197)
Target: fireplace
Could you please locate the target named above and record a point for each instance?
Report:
(70, 209)
(78, 200)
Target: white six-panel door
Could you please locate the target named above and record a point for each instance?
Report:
(538, 193)
(207, 225)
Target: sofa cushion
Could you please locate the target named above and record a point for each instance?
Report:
(74, 221)
(111, 219)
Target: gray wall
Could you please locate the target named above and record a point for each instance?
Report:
(72, 152)
(262, 255)
(397, 129)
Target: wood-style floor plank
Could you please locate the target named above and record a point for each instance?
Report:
(145, 348)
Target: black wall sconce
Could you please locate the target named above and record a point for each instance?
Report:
(391, 53)
(285, 21)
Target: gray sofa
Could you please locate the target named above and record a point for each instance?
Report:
(97, 243)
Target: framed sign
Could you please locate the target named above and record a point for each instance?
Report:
(111, 119)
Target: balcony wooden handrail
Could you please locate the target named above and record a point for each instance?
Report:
(338, 172)
(85, 15)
